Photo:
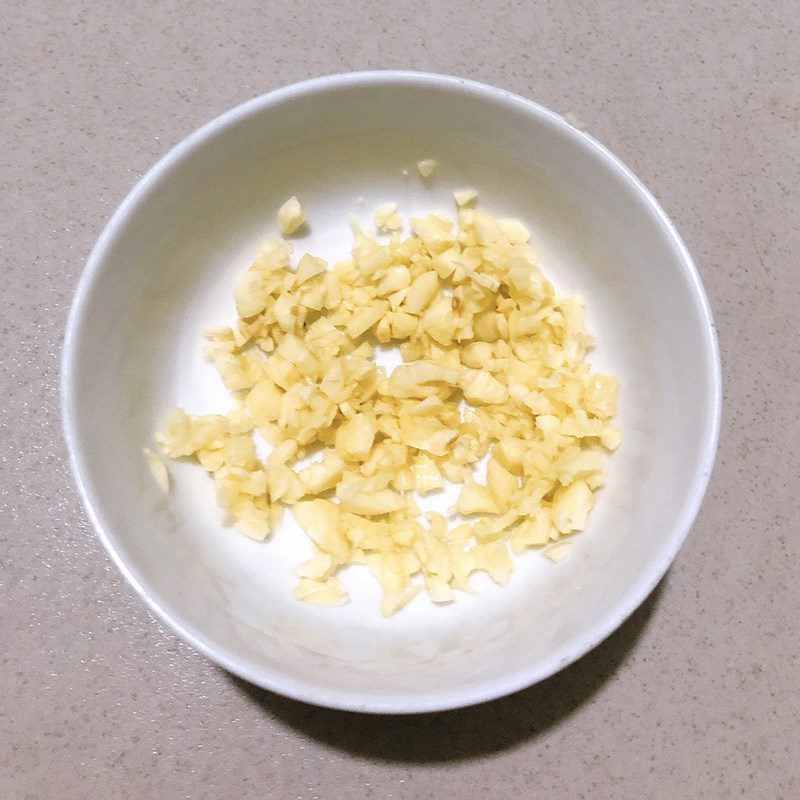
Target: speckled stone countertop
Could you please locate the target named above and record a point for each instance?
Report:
(697, 696)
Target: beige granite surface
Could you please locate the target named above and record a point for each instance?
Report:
(697, 696)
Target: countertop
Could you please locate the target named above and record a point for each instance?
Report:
(696, 696)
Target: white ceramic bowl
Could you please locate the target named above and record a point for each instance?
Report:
(165, 266)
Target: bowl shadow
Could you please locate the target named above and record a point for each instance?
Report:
(463, 733)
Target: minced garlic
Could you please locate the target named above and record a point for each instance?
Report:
(493, 367)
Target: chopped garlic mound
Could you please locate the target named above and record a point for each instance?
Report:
(290, 216)
(426, 167)
(493, 366)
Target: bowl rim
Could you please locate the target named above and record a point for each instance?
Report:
(480, 691)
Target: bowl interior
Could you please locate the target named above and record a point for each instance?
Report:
(166, 267)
